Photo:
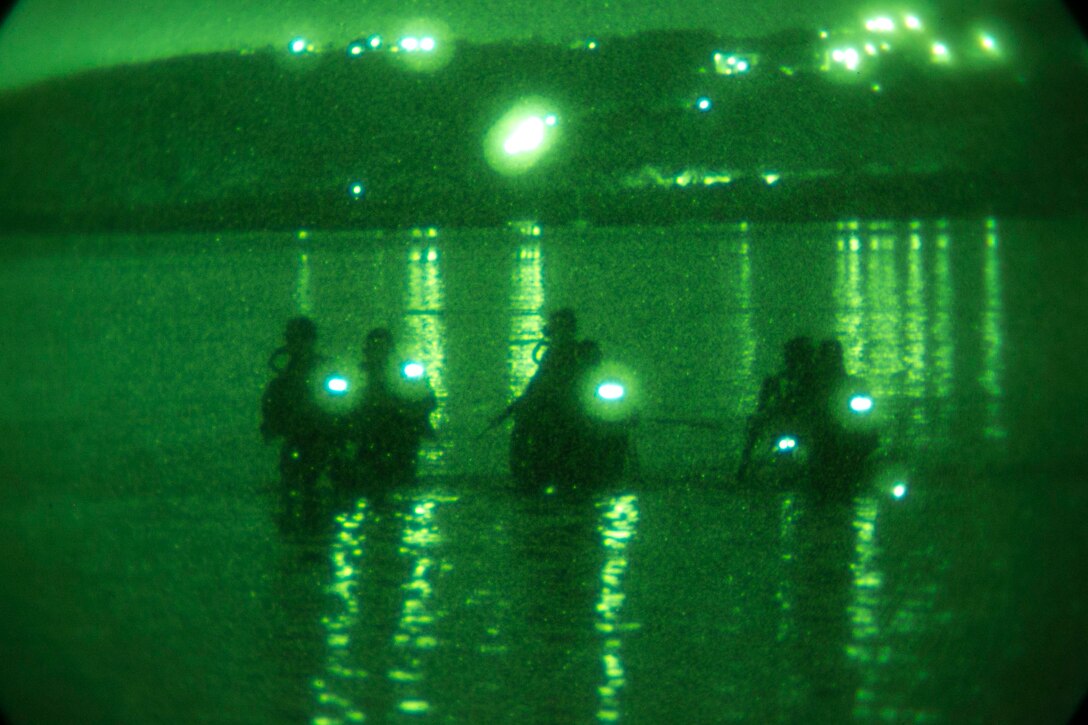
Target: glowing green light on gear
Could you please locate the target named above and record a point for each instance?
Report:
(337, 385)
(413, 370)
(899, 490)
(786, 444)
(610, 391)
(861, 404)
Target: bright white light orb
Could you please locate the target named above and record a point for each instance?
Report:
(899, 490)
(940, 50)
(522, 137)
(527, 136)
(336, 385)
(426, 44)
(610, 391)
(742, 65)
(409, 44)
(912, 22)
(298, 45)
(704, 104)
(861, 404)
(413, 370)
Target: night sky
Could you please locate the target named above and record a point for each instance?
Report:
(43, 38)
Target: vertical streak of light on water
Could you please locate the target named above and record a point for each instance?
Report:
(849, 302)
(883, 322)
(302, 285)
(992, 337)
(865, 647)
(916, 322)
(942, 367)
(790, 683)
(332, 690)
(414, 637)
(784, 595)
(746, 400)
(424, 318)
(526, 315)
(618, 525)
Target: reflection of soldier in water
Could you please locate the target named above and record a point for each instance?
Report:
(388, 425)
(290, 412)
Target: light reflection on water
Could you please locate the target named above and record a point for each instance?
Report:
(334, 689)
(415, 637)
(618, 525)
(993, 370)
(424, 319)
(526, 315)
(865, 646)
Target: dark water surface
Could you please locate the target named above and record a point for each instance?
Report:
(145, 579)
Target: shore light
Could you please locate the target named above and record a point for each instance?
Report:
(785, 444)
(880, 25)
(298, 46)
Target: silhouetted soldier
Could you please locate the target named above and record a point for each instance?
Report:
(290, 412)
(543, 442)
(389, 423)
(786, 397)
(842, 436)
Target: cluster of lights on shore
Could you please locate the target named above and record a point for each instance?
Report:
(372, 43)
(886, 30)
